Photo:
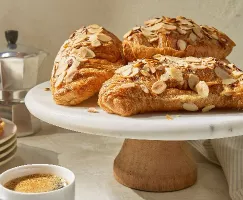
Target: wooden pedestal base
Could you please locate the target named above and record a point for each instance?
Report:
(157, 166)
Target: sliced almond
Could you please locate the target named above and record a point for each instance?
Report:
(202, 89)
(152, 21)
(146, 32)
(186, 22)
(155, 27)
(237, 74)
(60, 79)
(193, 37)
(181, 44)
(159, 87)
(197, 31)
(221, 73)
(169, 27)
(92, 110)
(81, 37)
(122, 69)
(136, 28)
(193, 80)
(165, 76)
(128, 85)
(228, 81)
(95, 43)
(190, 107)
(127, 72)
(152, 69)
(94, 26)
(58, 57)
(193, 59)
(95, 31)
(127, 34)
(104, 38)
(62, 66)
(144, 88)
(181, 31)
(208, 108)
(135, 71)
(153, 39)
(83, 52)
(90, 53)
(70, 75)
(214, 36)
(145, 73)
(186, 28)
(176, 74)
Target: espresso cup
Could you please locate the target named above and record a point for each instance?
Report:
(65, 193)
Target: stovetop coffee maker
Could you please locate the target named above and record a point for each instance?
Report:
(19, 66)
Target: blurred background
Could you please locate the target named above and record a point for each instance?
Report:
(46, 24)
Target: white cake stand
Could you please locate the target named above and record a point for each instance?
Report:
(154, 156)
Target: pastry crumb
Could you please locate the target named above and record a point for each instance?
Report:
(93, 110)
(47, 89)
(168, 117)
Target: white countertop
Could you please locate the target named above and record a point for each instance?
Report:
(91, 159)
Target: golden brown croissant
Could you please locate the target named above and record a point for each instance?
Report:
(85, 61)
(178, 37)
(170, 84)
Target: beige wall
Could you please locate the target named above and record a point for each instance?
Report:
(46, 24)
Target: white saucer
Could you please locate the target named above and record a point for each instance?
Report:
(8, 157)
(8, 150)
(9, 131)
(8, 143)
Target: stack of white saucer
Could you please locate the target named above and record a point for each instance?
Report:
(8, 142)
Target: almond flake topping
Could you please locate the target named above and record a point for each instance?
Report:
(228, 81)
(152, 21)
(208, 108)
(144, 88)
(60, 79)
(202, 89)
(221, 73)
(165, 76)
(85, 52)
(155, 27)
(135, 71)
(169, 27)
(197, 31)
(62, 66)
(190, 107)
(128, 85)
(144, 72)
(181, 31)
(176, 74)
(146, 32)
(122, 69)
(104, 38)
(193, 37)
(193, 80)
(127, 72)
(127, 34)
(92, 110)
(159, 87)
(181, 45)
(193, 59)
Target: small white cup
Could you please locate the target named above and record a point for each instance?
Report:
(65, 193)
